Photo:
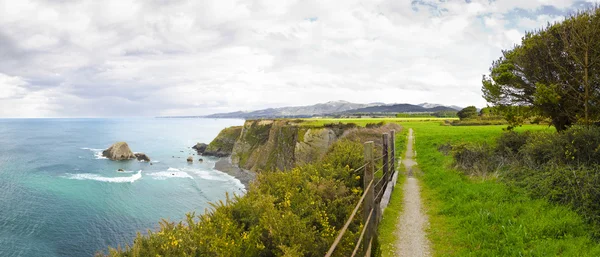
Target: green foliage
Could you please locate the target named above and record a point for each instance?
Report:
(469, 112)
(445, 114)
(476, 122)
(413, 115)
(375, 125)
(224, 142)
(554, 73)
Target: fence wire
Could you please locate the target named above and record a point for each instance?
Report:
(379, 189)
(362, 233)
(343, 231)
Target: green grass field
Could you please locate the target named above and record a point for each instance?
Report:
(364, 121)
(483, 217)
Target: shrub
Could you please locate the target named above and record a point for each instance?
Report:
(375, 125)
(542, 149)
(475, 159)
(510, 143)
(469, 112)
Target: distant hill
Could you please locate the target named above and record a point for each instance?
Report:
(430, 105)
(333, 108)
(399, 108)
(299, 111)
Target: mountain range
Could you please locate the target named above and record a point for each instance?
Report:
(335, 108)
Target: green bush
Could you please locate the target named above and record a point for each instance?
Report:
(475, 159)
(511, 142)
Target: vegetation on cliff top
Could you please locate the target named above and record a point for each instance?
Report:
(223, 144)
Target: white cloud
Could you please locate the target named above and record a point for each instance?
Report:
(146, 58)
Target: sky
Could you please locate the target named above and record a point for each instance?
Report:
(120, 58)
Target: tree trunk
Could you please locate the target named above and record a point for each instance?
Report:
(561, 122)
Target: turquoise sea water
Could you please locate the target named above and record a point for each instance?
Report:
(58, 197)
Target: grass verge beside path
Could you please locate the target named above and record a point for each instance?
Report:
(391, 214)
(476, 217)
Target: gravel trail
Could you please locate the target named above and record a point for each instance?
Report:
(412, 240)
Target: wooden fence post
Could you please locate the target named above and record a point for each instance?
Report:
(393, 151)
(385, 158)
(370, 194)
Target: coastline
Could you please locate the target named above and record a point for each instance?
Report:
(245, 176)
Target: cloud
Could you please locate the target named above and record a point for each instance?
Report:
(89, 58)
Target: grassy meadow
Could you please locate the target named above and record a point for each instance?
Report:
(365, 121)
(473, 216)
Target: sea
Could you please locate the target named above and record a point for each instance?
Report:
(60, 197)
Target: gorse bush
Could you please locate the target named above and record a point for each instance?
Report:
(561, 167)
(294, 213)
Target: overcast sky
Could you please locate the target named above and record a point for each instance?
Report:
(72, 58)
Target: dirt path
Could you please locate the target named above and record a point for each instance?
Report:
(412, 241)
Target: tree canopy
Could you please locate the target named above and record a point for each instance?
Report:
(553, 73)
(469, 112)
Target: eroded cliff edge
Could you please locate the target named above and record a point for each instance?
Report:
(270, 145)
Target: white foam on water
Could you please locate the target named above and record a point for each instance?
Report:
(170, 173)
(92, 149)
(216, 175)
(96, 177)
(97, 152)
(211, 175)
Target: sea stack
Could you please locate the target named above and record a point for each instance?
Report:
(118, 151)
(142, 157)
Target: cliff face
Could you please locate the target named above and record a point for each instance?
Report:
(266, 145)
(223, 144)
(312, 144)
(269, 145)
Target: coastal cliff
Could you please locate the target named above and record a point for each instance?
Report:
(222, 145)
(269, 145)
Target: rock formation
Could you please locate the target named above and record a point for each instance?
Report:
(190, 159)
(266, 145)
(200, 147)
(223, 144)
(142, 157)
(118, 151)
(313, 144)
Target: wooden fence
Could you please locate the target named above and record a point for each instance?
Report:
(375, 186)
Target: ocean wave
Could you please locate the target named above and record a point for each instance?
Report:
(170, 173)
(89, 176)
(212, 175)
(91, 149)
(97, 152)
